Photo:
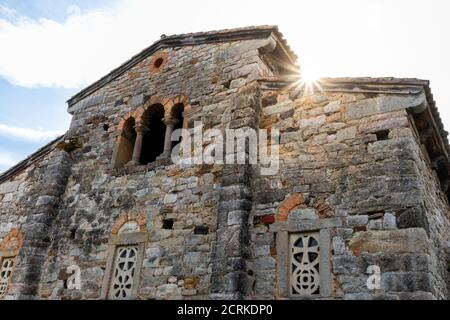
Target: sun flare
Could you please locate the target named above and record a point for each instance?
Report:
(308, 76)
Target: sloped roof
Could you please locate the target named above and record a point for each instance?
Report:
(189, 39)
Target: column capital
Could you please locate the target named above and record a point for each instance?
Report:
(170, 122)
(140, 128)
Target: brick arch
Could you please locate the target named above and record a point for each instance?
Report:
(164, 101)
(288, 205)
(14, 235)
(323, 209)
(138, 114)
(139, 218)
(181, 99)
(125, 118)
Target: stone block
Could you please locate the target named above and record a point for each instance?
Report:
(406, 281)
(346, 264)
(312, 122)
(346, 134)
(332, 107)
(303, 214)
(8, 187)
(357, 221)
(137, 100)
(383, 103)
(278, 108)
(389, 221)
(413, 240)
(170, 198)
(339, 245)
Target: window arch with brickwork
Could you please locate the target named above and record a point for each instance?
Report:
(145, 134)
(9, 250)
(303, 247)
(126, 250)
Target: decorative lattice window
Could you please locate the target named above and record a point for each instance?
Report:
(6, 269)
(302, 230)
(124, 271)
(126, 249)
(9, 252)
(304, 264)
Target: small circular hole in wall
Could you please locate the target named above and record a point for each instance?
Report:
(158, 63)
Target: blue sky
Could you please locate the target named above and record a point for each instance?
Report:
(51, 9)
(51, 49)
(40, 109)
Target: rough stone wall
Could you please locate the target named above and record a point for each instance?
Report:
(343, 151)
(349, 162)
(32, 208)
(177, 263)
(433, 215)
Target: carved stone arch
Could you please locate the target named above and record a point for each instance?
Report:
(123, 219)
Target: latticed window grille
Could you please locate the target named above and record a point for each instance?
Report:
(7, 265)
(123, 272)
(304, 263)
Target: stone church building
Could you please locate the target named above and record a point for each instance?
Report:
(358, 209)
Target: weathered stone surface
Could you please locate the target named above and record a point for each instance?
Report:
(332, 107)
(395, 241)
(8, 187)
(359, 162)
(312, 122)
(381, 104)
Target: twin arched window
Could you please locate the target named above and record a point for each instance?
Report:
(148, 138)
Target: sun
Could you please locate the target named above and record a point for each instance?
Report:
(308, 76)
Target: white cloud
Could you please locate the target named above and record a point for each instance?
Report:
(88, 44)
(332, 38)
(7, 13)
(7, 159)
(27, 134)
(84, 47)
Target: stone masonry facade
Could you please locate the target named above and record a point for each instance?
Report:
(363, 174)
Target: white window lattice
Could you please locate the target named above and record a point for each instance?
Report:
(304, 264)
(5, 274)
(123, 272)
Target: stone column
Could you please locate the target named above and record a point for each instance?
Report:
(140, 131)
(170, 125)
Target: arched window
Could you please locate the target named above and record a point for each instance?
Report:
(153, 142)
(147, 135)
(127, 139)
(303, 246)
(9, 250)
(126, 250)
